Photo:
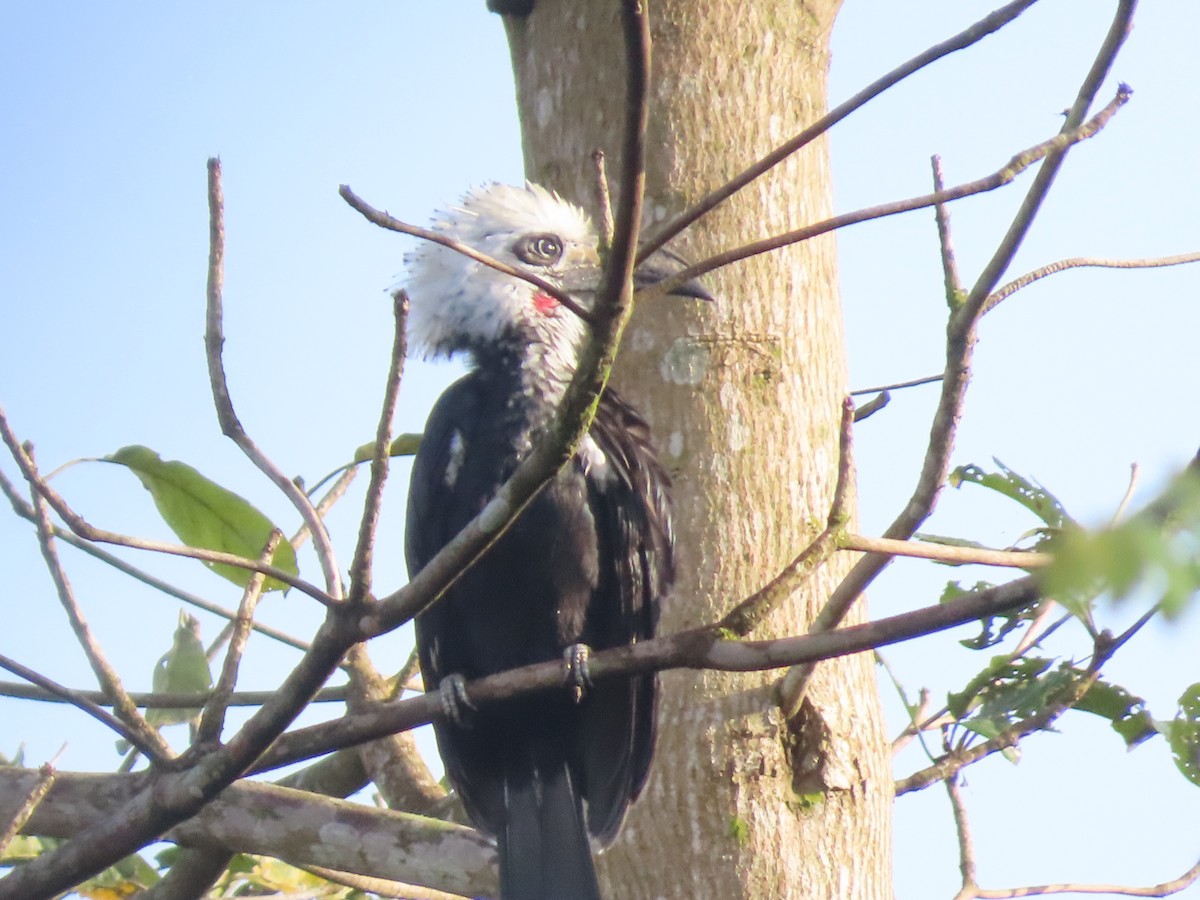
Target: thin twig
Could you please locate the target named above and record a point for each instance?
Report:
(231, 427)
(744, 617)
(942, 216)
(90, 702)
(381, 887)
(966, 848)
(82, 528)
(212, 721)
(1001, 294)
(953, 762)
(360, 567)
(1049, 150)
(1165, 889)
(145, 738)
(1017, 559)
(1134, 471)
(961, 332)
(142, 699)
(981, 29)
(884, 388)
(603, 199)
(22, 508)
(45, 781)
(384, 220)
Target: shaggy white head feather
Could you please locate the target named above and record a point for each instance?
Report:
(459, 305)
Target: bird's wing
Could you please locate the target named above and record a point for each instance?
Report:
(629, 501)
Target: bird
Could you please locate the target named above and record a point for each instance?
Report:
(584, 567)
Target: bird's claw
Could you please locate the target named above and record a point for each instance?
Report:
(578, 679)
(452, 692)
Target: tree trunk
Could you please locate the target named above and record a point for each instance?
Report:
(744, 398)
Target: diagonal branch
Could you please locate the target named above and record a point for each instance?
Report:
(961, 337)
(231, 427)
(1001, 294)
(213, 718)
(360, 567)
(574, 416)
(90, 702)
(981, 29)
(699, 648)
(144, 737)
(1048, 150)
(384, 220)
(83, 529)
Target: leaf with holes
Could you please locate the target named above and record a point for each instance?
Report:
(1008, 483)
(1183, 734)
(1126, 712)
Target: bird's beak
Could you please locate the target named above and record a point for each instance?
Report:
(661, 265)
(581, 273)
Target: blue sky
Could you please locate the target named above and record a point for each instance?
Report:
(110, 113)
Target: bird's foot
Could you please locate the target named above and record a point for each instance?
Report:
(579, 680)
(452, 691)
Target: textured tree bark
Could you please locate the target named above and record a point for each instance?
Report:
(744, 399)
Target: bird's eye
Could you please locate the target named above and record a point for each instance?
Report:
(539, 249)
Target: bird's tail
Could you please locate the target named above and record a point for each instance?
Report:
(543, 846)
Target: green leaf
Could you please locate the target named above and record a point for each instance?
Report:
(1183, 734)
(22, 847)
(1007, 691)
(405, 444)
(1008, 483)
(995, 628)
(1126, 712)
(182, 670)
(205, 515)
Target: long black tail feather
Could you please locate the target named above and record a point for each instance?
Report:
(544, 849)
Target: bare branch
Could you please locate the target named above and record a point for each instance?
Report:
(700, 648)
(603, 199)
(1075, 262)
(231, 427)
(884, 388)
(981, 29)
(360, 567)
(44, 693)
(961, 333)
(942, 215)
(288, 824)
(1165, 889)
(966, 848)
(1017, 559)
(85, 530)
(383, 220)
(382, 887)
(33, 797)
(90, 702)
(872, 406)
(1051, 149)
(1134, 470)
(22, 508)
(213, 718)
(142, 735)
(743, 618)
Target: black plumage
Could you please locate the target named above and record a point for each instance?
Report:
(587, 562)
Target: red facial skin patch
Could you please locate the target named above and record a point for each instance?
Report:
(544, 303)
